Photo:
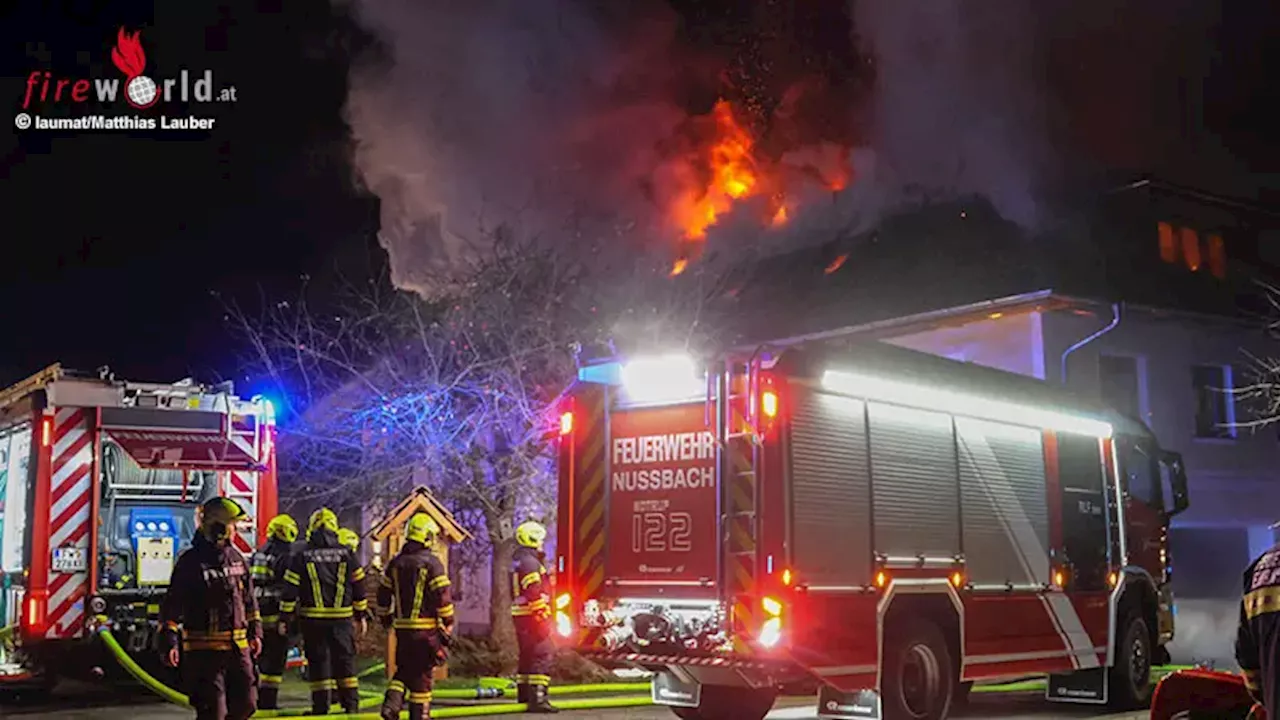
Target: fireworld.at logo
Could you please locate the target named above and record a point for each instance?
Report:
(141, 91)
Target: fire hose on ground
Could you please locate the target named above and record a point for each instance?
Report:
(171, 695)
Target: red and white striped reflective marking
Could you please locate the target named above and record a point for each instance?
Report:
(69, 520)
(679, 660)
(243, 488)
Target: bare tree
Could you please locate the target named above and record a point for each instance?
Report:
(460, 385)
(1261, 395)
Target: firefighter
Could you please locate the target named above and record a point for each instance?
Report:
(531, 610)
(324, 587)
(211, 596)
(414, 600)
(269, 564)
(1258, 635)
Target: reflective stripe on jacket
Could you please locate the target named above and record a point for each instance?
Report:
(211, 596)
(324, 581)
(1258, 633)
(268, 566)
(414, 590)
(529, 585)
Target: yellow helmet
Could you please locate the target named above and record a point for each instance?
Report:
(421, 528)
(531, 534)
(322, 519)
(283, 527)
(349, 538)
(217, 516)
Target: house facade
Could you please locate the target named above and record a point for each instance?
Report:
(1172, 369)
(1175, 371)
(1146, 297)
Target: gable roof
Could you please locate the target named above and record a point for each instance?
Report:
(419, 500)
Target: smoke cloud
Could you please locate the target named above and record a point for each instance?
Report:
(1020, 100)
(592, 124)
(956, 110)
(542, 117)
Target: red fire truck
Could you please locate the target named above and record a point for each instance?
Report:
(892, 525)
(99, 484)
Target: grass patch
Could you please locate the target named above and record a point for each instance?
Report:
(1157, 674)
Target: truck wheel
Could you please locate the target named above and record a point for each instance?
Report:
(1130, 679)
(722, 702)
(919, 675)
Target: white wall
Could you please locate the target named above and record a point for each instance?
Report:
(472, 608)
(1007, 342)
(1233, 482)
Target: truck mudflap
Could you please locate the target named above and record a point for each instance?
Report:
(715, 693)
(672, 691)
(1088, 687)
(860, 705)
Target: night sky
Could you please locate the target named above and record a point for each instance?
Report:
(121, 246)
(116, 242)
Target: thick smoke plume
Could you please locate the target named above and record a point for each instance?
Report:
(1020, 100)
(956, 109)
(639, 125)
(564, 121)
(537, 117)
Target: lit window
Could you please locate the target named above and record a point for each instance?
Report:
(1168, 243)
(1215, 406)
(1217, 257)
(1190, 247)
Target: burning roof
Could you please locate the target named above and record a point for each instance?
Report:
(726, 167)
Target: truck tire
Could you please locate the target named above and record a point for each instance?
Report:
(722, 702)
(918, 680)
(1130, 685)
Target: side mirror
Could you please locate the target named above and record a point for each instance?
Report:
(1172, 461)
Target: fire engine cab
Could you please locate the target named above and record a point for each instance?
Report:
(892, 525)
(100, 480)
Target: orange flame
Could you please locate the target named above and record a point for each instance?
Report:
(727, 167)
(128, 55)
(837, 263)
(733, 176)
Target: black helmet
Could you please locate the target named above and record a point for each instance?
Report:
(216, 517)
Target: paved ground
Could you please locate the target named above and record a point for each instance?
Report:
(87, 703)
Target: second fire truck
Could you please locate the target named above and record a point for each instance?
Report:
(892, 525)
(101, 479)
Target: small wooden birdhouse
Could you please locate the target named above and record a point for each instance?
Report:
(387, 535)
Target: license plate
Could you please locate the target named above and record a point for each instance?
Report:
(70, 560)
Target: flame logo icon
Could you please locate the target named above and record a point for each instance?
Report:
(140, 91)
